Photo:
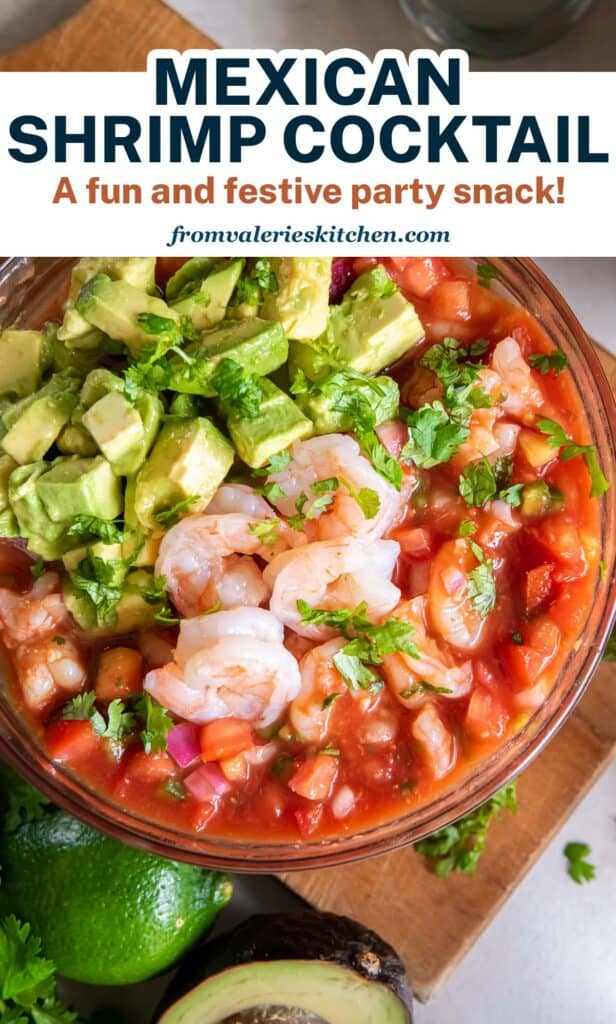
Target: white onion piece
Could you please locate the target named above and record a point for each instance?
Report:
(342, 802)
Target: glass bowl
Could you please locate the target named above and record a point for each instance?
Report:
(28, 289)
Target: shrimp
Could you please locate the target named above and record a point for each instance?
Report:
(450, 607)
(320, 678)
(32, 616)
(239, 498)
(199, 558)
(404, 673)
(332, 574)
(335, 456)
(47, 670)
(522, 397)
(230, 663)
(437, 745)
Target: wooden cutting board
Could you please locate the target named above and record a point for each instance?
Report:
(431, 921)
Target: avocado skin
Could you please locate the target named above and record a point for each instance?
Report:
(305, 935)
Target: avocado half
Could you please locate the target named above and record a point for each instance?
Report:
(304, 968)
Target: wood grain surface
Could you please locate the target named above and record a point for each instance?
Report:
(431, 921)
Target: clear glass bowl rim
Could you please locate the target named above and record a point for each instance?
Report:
(523, 281)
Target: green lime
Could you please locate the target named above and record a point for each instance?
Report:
(106, 913)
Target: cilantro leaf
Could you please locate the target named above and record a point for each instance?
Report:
(157, 592)
(165, 325)
(466, 528)
(268, 531)
(239, 390)
(107, 530)
(329, 700)
(481, 584)
(486, 274)
(578, 867)
(434, 436)
(422, 687)
(557, 437)
(97, 580)
(477, 483)
(384, 463)
(80, 708)
(19, 801)
(556, 361)
(119, 722)
(37, 568)
(512, 495)
(450, 362)
(170, 516)
(257, 280)
(459, 847)
(157, 723)
(276, 464)
(23, 970)
(272, 491)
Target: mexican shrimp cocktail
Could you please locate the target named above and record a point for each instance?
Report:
(290, 545)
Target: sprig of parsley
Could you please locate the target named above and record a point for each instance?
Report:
(556, 361)
(119, 724)
(27, 979)
(434, 436)
(97, 580)
(367, 643)
(108, 530)
(239, 390)
(481, 482)
(481, 584)
(578, 867)
(157, 723)
(459, 847)
(557, 437)
(258, 280)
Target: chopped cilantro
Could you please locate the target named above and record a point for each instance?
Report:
(96, 580)
(107, 530)
(272, 491)
(80, 708)
(557, 437)
(434, 436)
(459, 847)
(170, 516)
(59, 640)
(330, 751)
(157, 723)
(153, 324)
(517, 638)
(37, 568)
(238, 389)
(27, 979)
(450, 362)
(422, 687)
(544, 362)
(384, 463)
(329, 700)
(477, 483)
(268, 532)
(120, 722)
(165, 617)
(321, 486)
(20, 803)
(486, 274)
(481, 583)
(466, 528)
(259, 279)
(157, 592)
(512, 495)
(276, 464)
(282, 766)
(578, 867)
(175, 789)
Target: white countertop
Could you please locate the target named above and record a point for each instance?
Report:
(550, 955)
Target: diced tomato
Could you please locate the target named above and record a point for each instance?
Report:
(451, 300)
(417, 275)
(416, 541)
(201, 814)
(528, 660)
(142, 767)
(544, 635)
(486, 717)
(235, 769)
(225, 738)
(535, 449)
(562, 540)
(315, 777)
(538, 588)
(273, 800)
(119, 673)
(71, 740)
(569, 610)
(412, 575)
(308, 818)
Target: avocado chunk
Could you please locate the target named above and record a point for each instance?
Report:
(206, 304)
(35, 422)
(115, 425)
(74, 487)
(258, 346)
(277, 426)
(132, 611)
(144, 549)
(138, 271)
(45, 537)
(24, 355)
(190, 459)
(381, 394)
(114, 306)
(75, 440)
(301, 968)
(108, 552)
(8, 522)
(371, 328)
(188, 276)
(301, 301)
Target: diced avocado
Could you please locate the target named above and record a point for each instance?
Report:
(184, 279)
(206, 305)
(108, 552)
(74, 487)
(539, 499)
(301, 302)
(97, 384)
(113, 307)
(24, 355)
(186, 406)
(371, 328)
(138, 271)
(7, 465)
(148, 546)
(35, 422)
(257, 345)
(380, 393)
(75, 440)
(132, 611)
(9, 526)
(278, 425)
(115, 425)
(190, 457)
(44, 536)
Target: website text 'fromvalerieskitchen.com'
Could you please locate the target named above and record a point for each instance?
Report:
(326, 234)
